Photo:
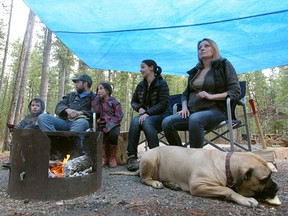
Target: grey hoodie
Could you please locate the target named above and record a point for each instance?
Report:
(30, 121)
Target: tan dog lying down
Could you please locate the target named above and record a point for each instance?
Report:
(203, 173)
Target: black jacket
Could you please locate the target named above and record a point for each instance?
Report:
(73, 101)
(154, 100)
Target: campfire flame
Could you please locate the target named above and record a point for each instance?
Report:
(59, 169)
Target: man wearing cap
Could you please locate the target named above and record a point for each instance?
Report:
(73, 111)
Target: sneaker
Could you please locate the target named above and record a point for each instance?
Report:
(132, 163)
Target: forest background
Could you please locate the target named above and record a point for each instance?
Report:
(37, 64)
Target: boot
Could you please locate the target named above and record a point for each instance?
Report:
(132, 163)
(104, 156)
(112, 160)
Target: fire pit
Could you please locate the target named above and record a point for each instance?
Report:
(30, 155)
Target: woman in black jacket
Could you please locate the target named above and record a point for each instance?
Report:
(203, 101)
(151, 101)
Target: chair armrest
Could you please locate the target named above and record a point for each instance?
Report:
(177, 107)
(231, 104)
(229, 111)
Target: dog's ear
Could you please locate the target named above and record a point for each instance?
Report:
(243, 176)
(265, 180)
(248, 174)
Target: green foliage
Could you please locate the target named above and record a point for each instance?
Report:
(4, 19)
(281, 96)
(270, 97)
(2, 42)
(35, 69)
(8, 84)
(52, 97)
(176, 84)
(65, 62)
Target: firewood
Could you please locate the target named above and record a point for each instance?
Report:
(78, 164)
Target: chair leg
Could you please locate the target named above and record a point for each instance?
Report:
(247, 128)
(146, 145)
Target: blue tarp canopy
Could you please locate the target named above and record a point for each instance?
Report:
(119, 34)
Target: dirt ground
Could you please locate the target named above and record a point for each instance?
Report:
(125, 195)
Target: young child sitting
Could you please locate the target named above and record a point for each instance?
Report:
(109, 116)
(35, 107)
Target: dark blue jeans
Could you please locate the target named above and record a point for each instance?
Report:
(151, 126)
(196, 124)
(48, 122)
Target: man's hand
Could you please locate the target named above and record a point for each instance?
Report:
(71, 114)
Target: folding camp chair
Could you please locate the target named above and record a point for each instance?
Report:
(173, 101)
(230, 124)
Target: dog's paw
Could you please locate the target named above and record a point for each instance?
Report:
(157, 185)
(249, 202)
(172, 185)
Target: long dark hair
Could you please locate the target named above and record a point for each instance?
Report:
(157, 70)
(106, 86)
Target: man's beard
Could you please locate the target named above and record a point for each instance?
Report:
(80, 90)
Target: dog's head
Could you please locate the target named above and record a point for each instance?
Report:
(256, 181)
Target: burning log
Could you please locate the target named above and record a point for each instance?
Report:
(53, 175)
(57, 168)
(78, 166)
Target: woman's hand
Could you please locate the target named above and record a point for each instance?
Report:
(142, 118)
(184, 113)
(219, 96)
(204, 94)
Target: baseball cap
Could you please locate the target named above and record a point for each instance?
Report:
(83, 77)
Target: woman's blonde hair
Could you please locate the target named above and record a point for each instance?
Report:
(216, 52)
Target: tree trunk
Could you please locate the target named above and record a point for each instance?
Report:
(22, 72)
(6, 87)
(46, 66)
(127, 104)
(62, 82)
(109, 76)
(5, 54)
(27, 44)
(131, 111)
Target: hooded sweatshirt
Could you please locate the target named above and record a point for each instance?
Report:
(31, 120)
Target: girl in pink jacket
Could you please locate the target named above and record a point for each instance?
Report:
(109, 116)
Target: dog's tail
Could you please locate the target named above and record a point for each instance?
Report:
(136, 173)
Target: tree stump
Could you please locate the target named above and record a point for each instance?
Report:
(121, 152)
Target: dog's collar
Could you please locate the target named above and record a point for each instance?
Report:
(230, 180)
